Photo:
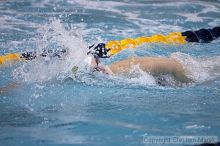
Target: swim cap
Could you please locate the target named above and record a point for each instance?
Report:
(99, 51)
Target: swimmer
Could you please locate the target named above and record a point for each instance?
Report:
(181, 71)
(154, 65)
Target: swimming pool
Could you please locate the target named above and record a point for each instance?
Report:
(51, 106)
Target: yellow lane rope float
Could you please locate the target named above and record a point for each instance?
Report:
(106, 50)
(9, 57)
(172, 38)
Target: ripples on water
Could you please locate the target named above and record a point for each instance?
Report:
(51, 106)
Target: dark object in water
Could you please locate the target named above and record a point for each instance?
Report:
(202, 35)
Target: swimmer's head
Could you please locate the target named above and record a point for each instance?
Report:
(99, 51)
(93, 61)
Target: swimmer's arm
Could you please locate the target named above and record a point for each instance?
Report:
(181, 76)
(171, 67)
(123, 66)
(153, 65)
(168, 66)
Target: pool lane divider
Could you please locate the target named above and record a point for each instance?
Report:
(105, 50)
(200, 36)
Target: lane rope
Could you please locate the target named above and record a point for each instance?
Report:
(106, 50)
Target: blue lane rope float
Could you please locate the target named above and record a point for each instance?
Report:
(106, 50)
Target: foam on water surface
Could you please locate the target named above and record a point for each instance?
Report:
(54, 36)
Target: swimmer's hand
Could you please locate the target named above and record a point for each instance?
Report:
(75, 69)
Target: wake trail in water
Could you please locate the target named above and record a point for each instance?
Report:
(199, 69)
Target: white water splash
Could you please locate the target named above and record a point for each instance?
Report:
(54, 36)
(138, 76)
(192, 17)
(199, 69)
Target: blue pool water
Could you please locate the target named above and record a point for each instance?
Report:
(51, 106)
